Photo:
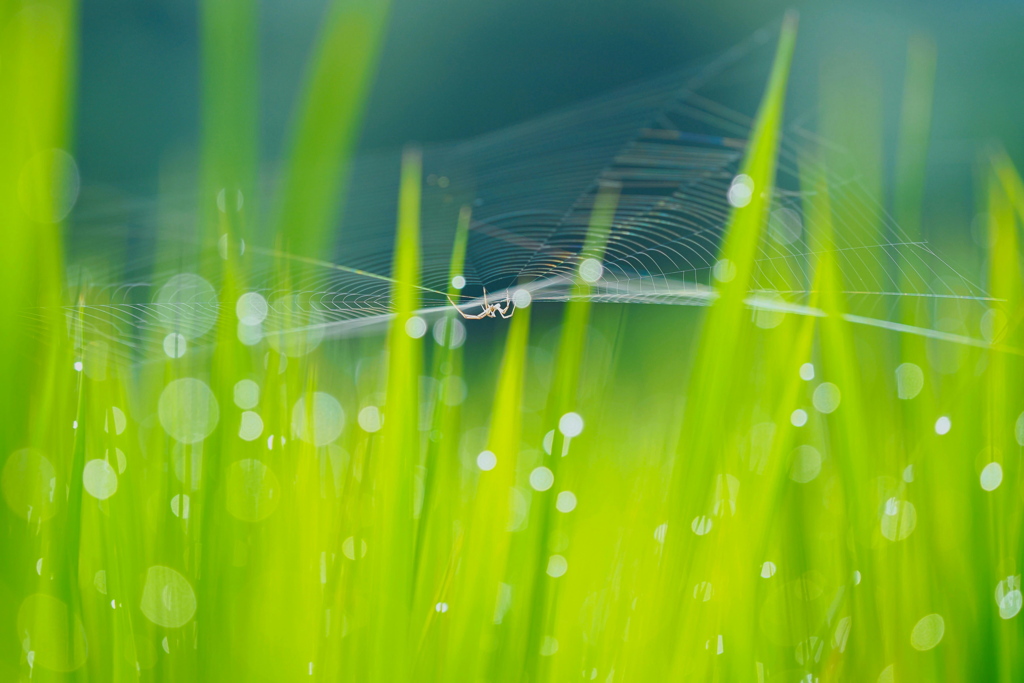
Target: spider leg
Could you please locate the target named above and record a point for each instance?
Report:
(509, 307)
(486, 305)
(461, 312)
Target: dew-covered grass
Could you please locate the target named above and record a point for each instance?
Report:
(585, 491)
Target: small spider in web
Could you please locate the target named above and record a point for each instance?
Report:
(489, 310)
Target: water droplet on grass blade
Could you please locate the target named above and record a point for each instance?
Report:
(548, 646)
(991, 476)
(167, 597)
(252, 308)
(741, 191)
(898, 520)
(175, 345)
(180, 505)
(805, 464)
(591, 270)
(928, 632)
(251, 426)
(1008, 597)
(449, 332)
(486, 461)
(369, 419)
(807, 372)
(416, 327)
(188, 410)
(187, 305)
(701, 525)
(100, 479)
(826, 398)
(571, 425)
(541, 478)
(909, 381)
(247, 394)
(321, 424)
(348, 548)
(522, 298)
(724, 270)
(119, 420)
(557, 566)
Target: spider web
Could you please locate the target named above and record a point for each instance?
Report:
(671, 144)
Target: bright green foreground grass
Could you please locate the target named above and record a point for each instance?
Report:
(630, 494)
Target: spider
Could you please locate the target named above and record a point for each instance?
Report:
(489, 310)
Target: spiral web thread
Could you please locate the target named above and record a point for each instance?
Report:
(673, 149)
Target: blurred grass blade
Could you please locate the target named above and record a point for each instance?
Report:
(562, 399)
(395, 465)
(230, 115)
(440, 473)
(911, 158)
(722, 369)
(327, 123)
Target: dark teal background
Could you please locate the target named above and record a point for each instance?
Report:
(454, 68)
